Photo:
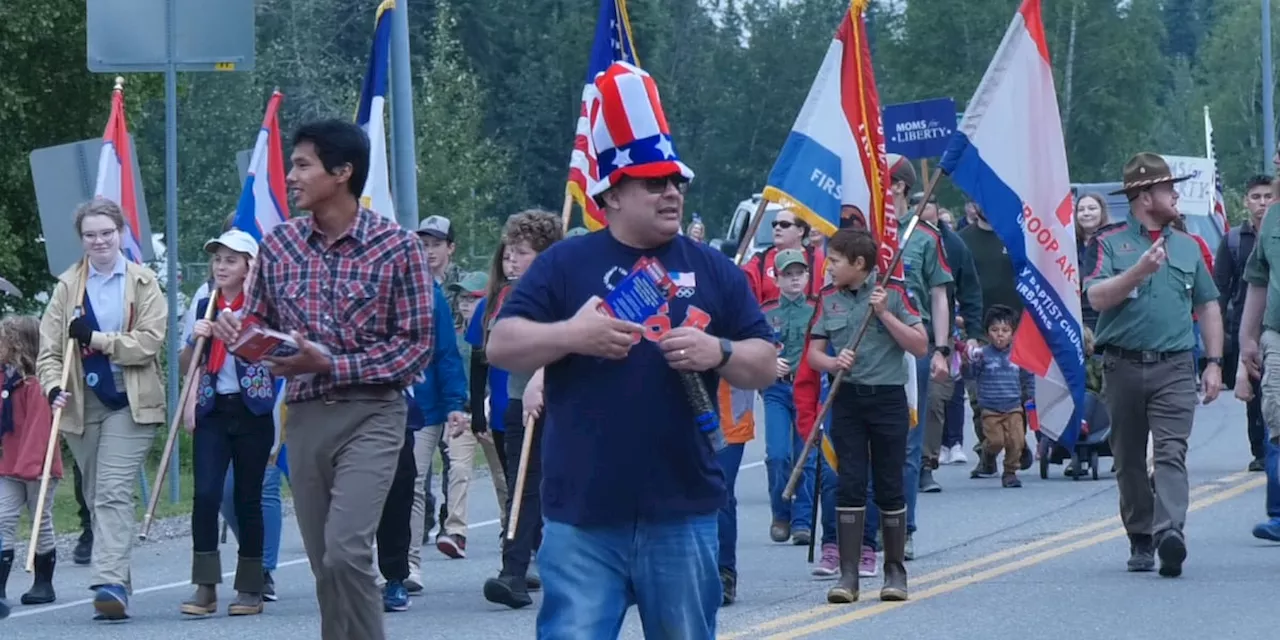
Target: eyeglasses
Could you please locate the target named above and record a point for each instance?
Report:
(658, 186)
(783, 224)
(90, 236)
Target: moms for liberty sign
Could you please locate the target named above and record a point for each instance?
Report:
(919, 130)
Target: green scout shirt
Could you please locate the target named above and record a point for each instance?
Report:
(1262, 265)
(1157, 314)
(453, 274)
(790, 319)
(464, 350)
(925, 267)
(879, 358)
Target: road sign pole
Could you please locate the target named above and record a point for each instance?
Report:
(405, 162)
(171, 227)
(1268, 92)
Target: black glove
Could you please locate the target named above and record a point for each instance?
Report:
(53, 394)
(479, 380)
(81, 331)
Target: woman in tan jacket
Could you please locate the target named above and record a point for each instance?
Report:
(115, 397)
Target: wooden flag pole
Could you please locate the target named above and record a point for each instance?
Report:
(526, 447)
(566, 211)
(68, 351)
(816, 432)
(192, 367)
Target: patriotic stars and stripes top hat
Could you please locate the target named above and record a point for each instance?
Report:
(629, 129)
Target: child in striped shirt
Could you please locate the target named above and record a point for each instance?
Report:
(1002, 387)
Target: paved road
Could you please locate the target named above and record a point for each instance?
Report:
(1047, 557)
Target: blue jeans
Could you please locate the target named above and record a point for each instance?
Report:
(953, 428)
(271, 514)
(1273, 480)
(782, 443)
(730, 459)
(592, 575)
(828, 502)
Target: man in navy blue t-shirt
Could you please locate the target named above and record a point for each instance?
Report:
(631, 486)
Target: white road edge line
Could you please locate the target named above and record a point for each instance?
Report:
(231, 574)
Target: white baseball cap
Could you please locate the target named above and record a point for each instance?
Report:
(436, 227)
(235, 240)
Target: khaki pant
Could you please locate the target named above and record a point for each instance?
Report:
(462, 462)
(110, 453)
(16, 493)
(1155, 400)
(1271, 382)
(940, 392)
(343, 452)
(1004, 432)
(425, 443)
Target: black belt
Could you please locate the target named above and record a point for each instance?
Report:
(1145, 357)
(789, 378)
(870, 389)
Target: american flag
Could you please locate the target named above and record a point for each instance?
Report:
(1219, 202)
(612, 43)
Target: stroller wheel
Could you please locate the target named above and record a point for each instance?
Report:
(1093, 464)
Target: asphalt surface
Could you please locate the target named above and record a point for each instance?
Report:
(990, 561)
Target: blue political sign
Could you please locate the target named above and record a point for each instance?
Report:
(919, 130)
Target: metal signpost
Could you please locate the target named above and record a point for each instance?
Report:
(404, 157)
(168, 36)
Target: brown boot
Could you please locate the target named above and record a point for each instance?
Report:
(249, 584)
(206, 574)
(894, 532)
(849, 531)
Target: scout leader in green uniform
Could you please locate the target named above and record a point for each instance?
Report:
(790, 316)
(1145, 280)
(870, 416)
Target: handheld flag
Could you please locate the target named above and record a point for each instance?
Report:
(834, 158)
(1009, 156)
(612, 44)
(1219, 202)
(263, 205)
(115, 174)
(371, 115)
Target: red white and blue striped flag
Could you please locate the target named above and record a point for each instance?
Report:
(115, 176)
(1219, 200)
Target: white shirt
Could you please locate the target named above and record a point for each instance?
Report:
(228, 380)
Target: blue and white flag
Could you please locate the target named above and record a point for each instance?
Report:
(371, 116)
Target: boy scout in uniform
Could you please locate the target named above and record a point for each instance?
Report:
(789, 315)
(869, 415)
(1145, 279)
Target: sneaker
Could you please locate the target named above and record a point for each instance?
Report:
(111, 602)
(1010, 481)
(1142, 555)
(454, 546)
(910, 549)
(1173, 552)
(944, 455)
(958, 456)
(83, 553)
(801, 537)
(927, 483)
(413, 584)
(829, 566)
(1257, 464)
(1269, 530)
(395, 597)
(269, 587)
(867, 567)
(729, 587)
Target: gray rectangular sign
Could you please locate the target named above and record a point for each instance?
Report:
(243, 158)
(65, 177)
(132, 35)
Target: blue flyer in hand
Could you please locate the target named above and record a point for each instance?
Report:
(641, 294)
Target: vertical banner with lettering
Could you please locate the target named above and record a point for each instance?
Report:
(919, 130)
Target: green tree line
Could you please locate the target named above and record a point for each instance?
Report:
(497, 85)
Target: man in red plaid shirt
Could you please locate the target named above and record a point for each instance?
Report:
(354, 290)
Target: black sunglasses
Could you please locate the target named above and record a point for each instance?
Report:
(658, 186)
(784, 224)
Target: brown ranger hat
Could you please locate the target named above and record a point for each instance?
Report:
(1145, 170)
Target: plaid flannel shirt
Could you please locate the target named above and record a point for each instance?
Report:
(367, 297)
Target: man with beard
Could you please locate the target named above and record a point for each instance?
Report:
(1145, 278)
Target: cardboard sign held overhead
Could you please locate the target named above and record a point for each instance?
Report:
(65, 177)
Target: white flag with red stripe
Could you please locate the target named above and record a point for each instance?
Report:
(115, 175)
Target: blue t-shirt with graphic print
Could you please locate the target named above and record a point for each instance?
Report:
(620, 443)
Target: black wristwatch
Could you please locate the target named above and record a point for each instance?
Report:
(726, 352)
(943, 349)
(1217, 361)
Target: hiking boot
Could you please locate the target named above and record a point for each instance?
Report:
(867, 567)
(728, 587)
(1142, 554)
(1010, 481)
(395, 597)
(894, 533)
(927, 483)
(849, 522)
(1173, 552)
(454, 546)
(83, 553)
(829, 566)
(780, 531)
(986, 466)
(42, 586)
(204, 602)
(511, 591)
(801, 537)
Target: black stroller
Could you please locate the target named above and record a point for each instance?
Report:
(1090, 446)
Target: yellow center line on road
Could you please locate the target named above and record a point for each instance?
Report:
(994, 572)
(819, 611)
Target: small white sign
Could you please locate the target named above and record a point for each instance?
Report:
(1195, 196)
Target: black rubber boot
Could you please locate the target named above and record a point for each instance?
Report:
(894, 532)
(83, 553)
(511, 591)
(6, 565)
(849, 522)
(42, 587)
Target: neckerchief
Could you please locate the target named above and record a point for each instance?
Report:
(218, 350)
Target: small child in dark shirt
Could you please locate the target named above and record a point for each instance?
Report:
(1002, 386)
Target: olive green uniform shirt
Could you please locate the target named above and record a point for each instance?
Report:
(452, 275)
(790, 318)
(1157, 314)
(879, 358)
(1262, 265)
(925, 266)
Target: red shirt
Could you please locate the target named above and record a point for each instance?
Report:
(761, 279)
(368, 297)
(22, 450)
